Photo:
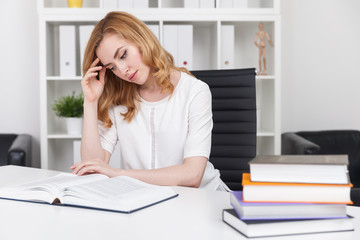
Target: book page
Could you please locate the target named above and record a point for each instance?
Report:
(119, 193)
(46, 190)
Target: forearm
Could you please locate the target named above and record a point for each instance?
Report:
(188, 174)
(90, 141)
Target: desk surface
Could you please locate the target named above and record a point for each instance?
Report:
(195, 214)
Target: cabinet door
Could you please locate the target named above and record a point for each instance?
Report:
(227, 46)
(67, 50)
(111, 4)
(171, 41)
(185, 46)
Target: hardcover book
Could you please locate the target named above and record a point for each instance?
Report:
(264, 228)
(269, 211)
(95, 191)
(327, 169)
(294, 192)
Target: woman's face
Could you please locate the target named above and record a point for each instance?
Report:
(123, 58)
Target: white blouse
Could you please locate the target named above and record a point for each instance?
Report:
(164, 133)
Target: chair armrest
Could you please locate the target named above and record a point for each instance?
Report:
(20, 151)
(291, 143)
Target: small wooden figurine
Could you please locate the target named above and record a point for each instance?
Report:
(262, 35)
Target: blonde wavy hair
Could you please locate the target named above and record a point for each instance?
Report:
(116, 90)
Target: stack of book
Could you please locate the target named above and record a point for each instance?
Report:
(292, 194)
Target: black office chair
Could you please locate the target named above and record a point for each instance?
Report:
(328, 142)
(15, 149)
(234, 116)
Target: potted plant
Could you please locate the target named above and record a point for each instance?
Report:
(71, 108)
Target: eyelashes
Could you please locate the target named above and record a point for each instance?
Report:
(123, 56)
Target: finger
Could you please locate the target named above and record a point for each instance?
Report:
(88, 170)
(95, 62)
(102, 75)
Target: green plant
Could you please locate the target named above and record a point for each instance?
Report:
(69, 106)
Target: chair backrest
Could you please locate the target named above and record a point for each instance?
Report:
(5, 142)
(234, 115)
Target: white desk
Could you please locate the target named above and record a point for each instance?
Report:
(194, 214)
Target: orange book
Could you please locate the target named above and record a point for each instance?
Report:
(295, 192)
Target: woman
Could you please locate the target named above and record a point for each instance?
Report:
(160, 114)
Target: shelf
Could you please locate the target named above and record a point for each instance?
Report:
(59, 78)
(63, 136)
(264, 133)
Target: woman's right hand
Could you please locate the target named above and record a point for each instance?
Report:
(91, 87)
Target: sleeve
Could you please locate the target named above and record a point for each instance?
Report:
(198, 141)
(108, 136)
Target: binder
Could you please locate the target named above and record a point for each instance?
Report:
(67, 50)
(125, 4)
(171, 41)
(155, 29)
(225, 3)
(185, 46)
(191, 3)
(227, 46)
(110, 4)
(240, 3)
(84, 35)
(140, 3)
(207, 4)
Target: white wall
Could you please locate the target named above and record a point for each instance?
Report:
(320, 64)
(19, 84)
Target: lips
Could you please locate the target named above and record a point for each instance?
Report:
(133, 76)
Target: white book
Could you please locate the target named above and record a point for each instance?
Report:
(227, 46)
(207, 3)
(155, 29)
(67, 48)
(125, 4)
(111, 4)
(191, 3)
(95, 191)
(171, 41)
(185, 46)
(325, 169)
(140, 3)
(84, 35)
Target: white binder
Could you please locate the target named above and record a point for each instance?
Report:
(240, 3)
(207, 3)
(67, 50)
(84, 35)
(125, 4)
(140, 3)
(171, 41)
(191, 3)
(227, 46)
(185, 46)
(225, 3)
(155, 29)
(112, 4)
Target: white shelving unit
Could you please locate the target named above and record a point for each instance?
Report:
(57, 146)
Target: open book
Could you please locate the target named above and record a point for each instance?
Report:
(120, 194)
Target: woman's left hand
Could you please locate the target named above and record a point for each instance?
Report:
(93, 166)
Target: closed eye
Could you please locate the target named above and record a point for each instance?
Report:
(124, 55)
